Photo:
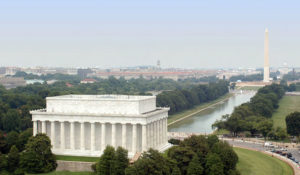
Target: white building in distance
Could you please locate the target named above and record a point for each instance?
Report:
(83, 125)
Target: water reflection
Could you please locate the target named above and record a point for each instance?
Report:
(202, 121)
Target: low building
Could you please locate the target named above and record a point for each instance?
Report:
(83, 125)
(12, 82)
(88, 81)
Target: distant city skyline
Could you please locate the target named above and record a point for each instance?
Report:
(181, 34)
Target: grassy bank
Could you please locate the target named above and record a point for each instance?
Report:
(287, 105)
(77, 158)
(253, 163)
(196, 109)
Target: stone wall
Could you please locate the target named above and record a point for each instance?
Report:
(74, 166)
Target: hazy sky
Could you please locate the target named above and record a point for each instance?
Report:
(185, 33)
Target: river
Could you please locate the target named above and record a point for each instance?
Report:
(201, 122)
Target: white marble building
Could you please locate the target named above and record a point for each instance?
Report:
(83, 125)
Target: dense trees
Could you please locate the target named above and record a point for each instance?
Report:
(112, 162)
(179, 100)
(197, 155)
(255, 77)
(37, 156)
(293, 123)
(254, 116)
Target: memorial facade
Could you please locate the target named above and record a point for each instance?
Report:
(83, 125)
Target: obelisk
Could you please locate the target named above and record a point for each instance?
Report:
(266, 65)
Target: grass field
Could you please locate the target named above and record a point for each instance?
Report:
(287, 105)
(184, 113)
(77, 158)
(66, 173)
(256, 163)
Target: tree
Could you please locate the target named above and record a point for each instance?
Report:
(182, 155)
(11, 139)
(214, 165)
(293, 123)
(122, 161)
(23, 138)
(106, 164)
(13, 159)
(176, 171)
(3, 162)
(264, 127)
(37, 156)
(151, 162)
(226, 153)
(195, 167)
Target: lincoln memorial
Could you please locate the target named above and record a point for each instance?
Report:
(83, 125)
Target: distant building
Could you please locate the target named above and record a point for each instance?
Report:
(12, 82)
(88, 80)
(83, 125)
(83, 73)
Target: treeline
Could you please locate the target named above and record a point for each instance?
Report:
(291, 76)
(254, 116)
(179, 100)
(254, 77)
(197, 155)
(34, 156)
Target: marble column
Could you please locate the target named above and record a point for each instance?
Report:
(93, 136)
(82, 136)
(44, 127)
(113, 135)
(124, 139)
(165, 130)
(134, 138)
(160, 135)
(155, 134)
(144, 137)
(103, 129)
(35, 128)
(72, 136)
(62, 135)
(53, 133)
(152, 135)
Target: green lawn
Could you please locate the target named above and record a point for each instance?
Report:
(257, 163)
(287, 105)
(184, 113)
(77, 158)
(66, 173)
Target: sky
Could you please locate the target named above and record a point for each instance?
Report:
(183, 34)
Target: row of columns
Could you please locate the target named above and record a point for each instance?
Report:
(153, 135)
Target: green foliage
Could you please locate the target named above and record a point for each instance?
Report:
(3, 162)
(214, 165)
(252, 116)
(182, 155)
(106, 164)
(293, 123)
(195, 167)
(179, 100)
(176, 171)
(37, 156)
(122, 161)
(13, 159)
(151, 162)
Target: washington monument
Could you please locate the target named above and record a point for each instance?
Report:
(266, 65)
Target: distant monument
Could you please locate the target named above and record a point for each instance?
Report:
(266, 65)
